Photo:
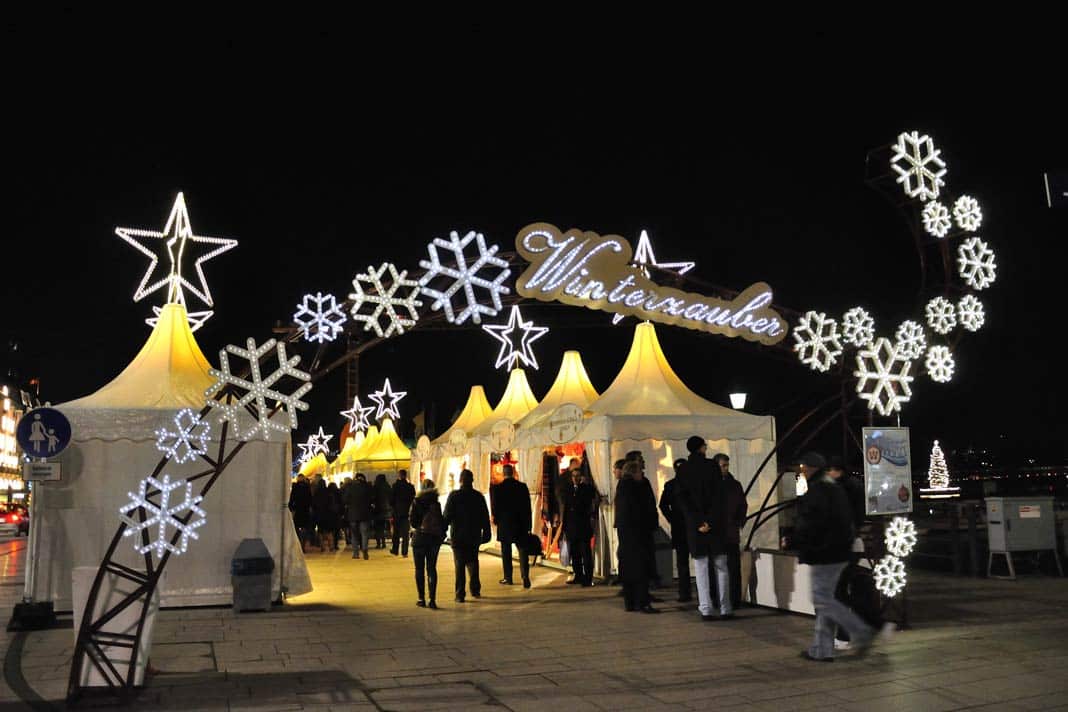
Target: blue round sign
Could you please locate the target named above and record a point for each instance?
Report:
(43, 432)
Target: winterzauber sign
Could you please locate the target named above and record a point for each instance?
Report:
(594, 271)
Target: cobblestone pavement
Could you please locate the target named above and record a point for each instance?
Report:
(359, 643)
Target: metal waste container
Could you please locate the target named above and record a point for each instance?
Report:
(665, 556)
(250, 575)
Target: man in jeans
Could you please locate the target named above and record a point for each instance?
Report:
(824, 537)
(400, 501)
(699, 494)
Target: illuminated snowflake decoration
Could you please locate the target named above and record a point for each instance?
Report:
(183, 444)
(881, 367)
(941, 315)
(319, 317)
(258, 389)
(890, 576)
(900, 537)
(909, 340)
(315, 444)
(970, 313)
(465, 277)
(967, 213)
(939, 364)
(163, 516)
(387, 394)
(386, 301)
(516, 336)
(918, 165)
(817, 341)
(976, 263)
(936, 219)
(357, 415)
(858, 328)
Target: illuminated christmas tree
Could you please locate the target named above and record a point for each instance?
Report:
(937, 474)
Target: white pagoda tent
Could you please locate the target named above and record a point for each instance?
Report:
(515, 404)
(447, 453)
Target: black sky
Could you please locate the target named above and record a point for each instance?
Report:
(322, 169)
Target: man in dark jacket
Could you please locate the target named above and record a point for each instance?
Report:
(577, 502)
(510, 502)
(358, 498)
(736, 511)
(400, 501)
(636, 520)
(677, 519)
(700, 495)
(466, 514)
(823, 536)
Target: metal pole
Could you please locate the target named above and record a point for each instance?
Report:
(34, 491)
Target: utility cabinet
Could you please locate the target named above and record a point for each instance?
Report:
(1020, 524)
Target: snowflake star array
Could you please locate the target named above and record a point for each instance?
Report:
(970, 313)
(319, 317)
(941, 315)
(258, 389)
(858, 328)
(890, 576)
(967, 213)
(465, 276)
(918, 165)
(936, 219)
(357, 415)
(900, 537)
(888, 371)
(976, 262)
(909, 340)
(817, 341)
(163, 516)
(939, 364)
(183, 445)
(385, 299)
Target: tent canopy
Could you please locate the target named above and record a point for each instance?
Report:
(474, 414)
(315, 466)
(572, 385)
(516, 402)
(387, 446)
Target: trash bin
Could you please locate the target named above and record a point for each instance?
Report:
(250, 575)
(665, 556)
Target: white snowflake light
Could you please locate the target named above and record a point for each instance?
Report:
(900, 537)
(936, 219)
(385, 299)
(882, 366)
(976, 262)
(970, 313)
(909, 340)
(939, 364)
(465, 277)
(196, 319)
(173, 244)
(163, 516)
(183, 445)
(258, 389)
(643, 256)
(817, 341)
(358, 416)
(890, 576)
(941, 315)
(387, 394)
(858, 327)
(515, 346)
(967, 213)
(918, 166)
(319, 317)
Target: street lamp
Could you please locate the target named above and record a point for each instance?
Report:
(737, 401)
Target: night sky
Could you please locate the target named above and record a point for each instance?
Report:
(320, 177)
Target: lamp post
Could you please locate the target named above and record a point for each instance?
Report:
(738, 401)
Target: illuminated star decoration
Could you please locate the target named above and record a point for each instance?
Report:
(643, 255)
(195, 319)
(176, 234)
(357, 415)
(515, 347)
(394, 397)
(315, 444)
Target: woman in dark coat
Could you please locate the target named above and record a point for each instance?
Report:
(300, 506)
(382, 509)
(336, 510)
(325, 520)
(429, 526)
(636, 520)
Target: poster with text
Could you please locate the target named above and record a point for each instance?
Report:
(887, 471)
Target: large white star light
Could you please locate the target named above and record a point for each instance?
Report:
(358, 416)
(918, 165)
(315, 444)
(643, 256)
(172, 245)
(387, 394)
(163, 516)
(385, 300)
(515, 346)
(885, 368)
(465, 277)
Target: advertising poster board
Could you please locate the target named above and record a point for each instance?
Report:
(887, 471)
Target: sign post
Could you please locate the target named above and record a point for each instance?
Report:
(887, 471)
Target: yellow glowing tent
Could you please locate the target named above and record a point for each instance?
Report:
(516, 402)
(475, 412)
(385, 455)
(344, 465)
(317, 465)
(572, 385)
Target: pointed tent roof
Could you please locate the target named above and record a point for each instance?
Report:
(474, 414)
(170, 370)
(368, 442)
(314, 466)
(516, 402)
(352, 444)
(572, 385)
(387, 446)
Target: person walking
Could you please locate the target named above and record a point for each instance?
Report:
(824, 535)
(400, 501)
(300, 501)
(382, 509)
(676, 518)
(429, 526)
(358, 498)
(700, 494)
(468, 522)
(736, 511)
(321, 514)
(510, 505)
(636, 520)
(576, 506)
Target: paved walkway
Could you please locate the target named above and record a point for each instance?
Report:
(359, 642)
